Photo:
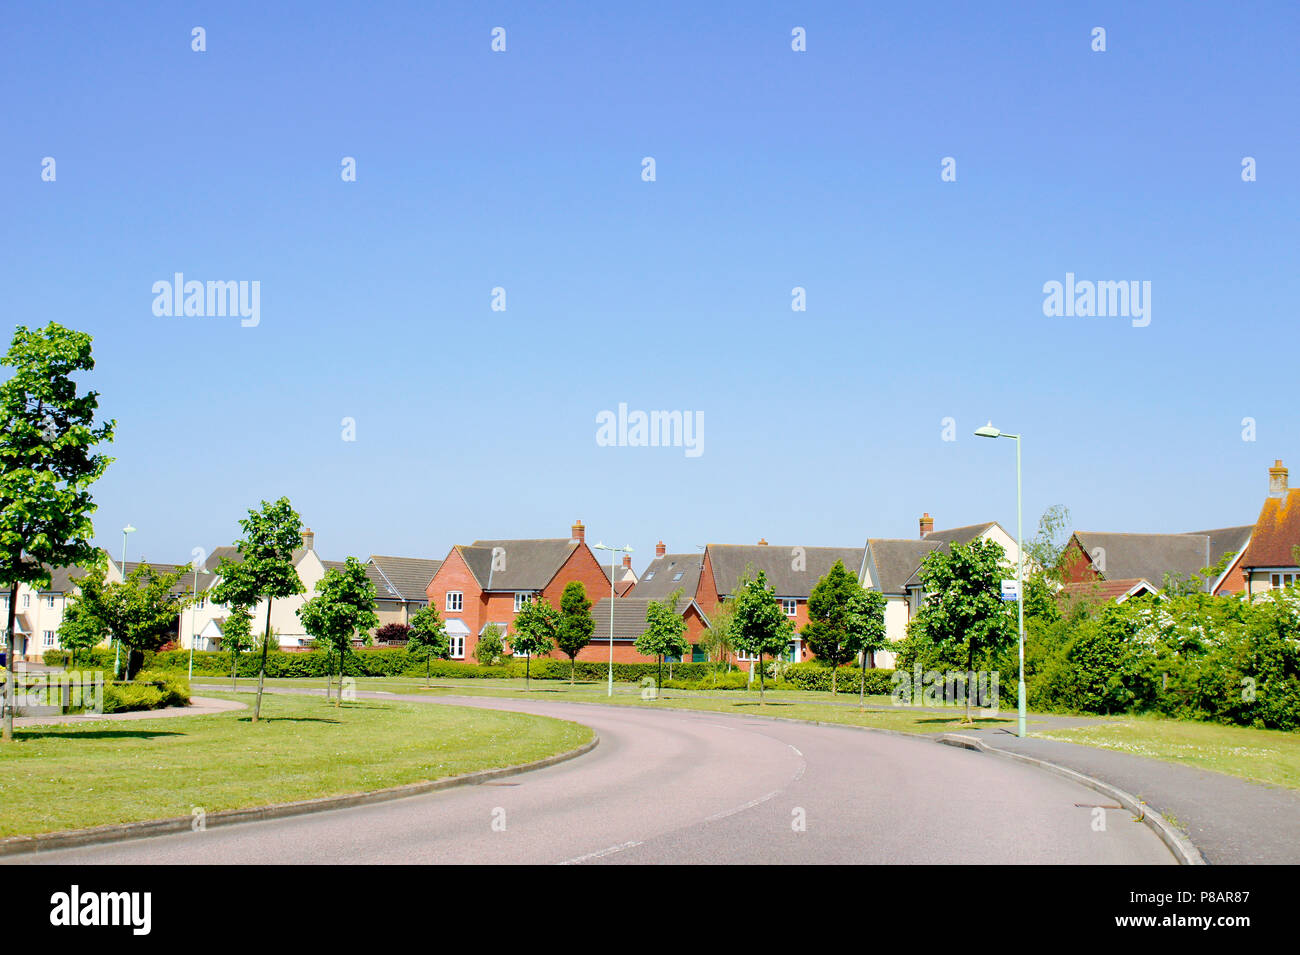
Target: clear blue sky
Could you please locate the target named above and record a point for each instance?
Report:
(775, 169)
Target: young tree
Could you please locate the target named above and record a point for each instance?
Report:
(761, 627)
(963, 611)
(716, 641)
(83, 628)
(343, 606)
(576, 623)
(427, 637)
(537, 627)
(664, 634)
(490, 649)
(830, 608)
(865, 631)
(271, 535)
(141, 611)
(48, 462)
(237, 636)
(1044, 573)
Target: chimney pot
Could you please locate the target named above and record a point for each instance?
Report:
(578, 531)
(927, 524)
(762, 542)
(660, 549)
(1277, 479)
(308, 539)
(627, 561)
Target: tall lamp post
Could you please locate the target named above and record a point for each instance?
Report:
(988, 431)
(194, 622)
(613, 570)
(117, 659)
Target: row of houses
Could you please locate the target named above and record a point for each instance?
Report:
(486, 583)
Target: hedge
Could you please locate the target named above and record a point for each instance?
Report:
(816, 676)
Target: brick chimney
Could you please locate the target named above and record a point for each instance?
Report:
(578, 531)
(627, 561)
(927, 524)
(762, 542)
(308, 539)
(660, 549)
(1277, 474)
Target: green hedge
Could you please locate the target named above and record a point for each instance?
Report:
(815, 676)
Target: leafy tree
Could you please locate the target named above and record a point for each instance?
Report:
(271, 535)
(1044, 572)
(830, 609)
(490, 649)
(237, 636)
(716, 641)
(343, 606)
(48, 462)
(865, 632)
(427, 637)
(83, 628)
(576, 624)
(761, 627)
(963, 611)
(142, 611)
(537, 627)
(665, 631)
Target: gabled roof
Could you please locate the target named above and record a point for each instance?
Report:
(661, 578)
(943, 540)
(1275, 533)
(792, 571)
(185, 584)
(401, 578)
(524, 564)
(1118, 590)
(629, 616)
(1152, 556)
(894, 560)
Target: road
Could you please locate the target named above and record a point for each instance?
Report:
(674, 786)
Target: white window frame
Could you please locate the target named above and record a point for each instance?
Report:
(523, 597)
(1280, 579)
(49, 640)
(456, 605)
(456, 646)
(50, 600)
(790, 605)
(27, 601)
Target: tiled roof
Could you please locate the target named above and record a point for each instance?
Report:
(661, 578)
(895, 559)
(792, 571)
(408, 577)
(1152, 556)
(524, 564)
(629, 617)
(1119, 589)
(1276, 533)
(944, 540)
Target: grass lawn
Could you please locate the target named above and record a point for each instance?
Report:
(1269, 756)
(89, 774)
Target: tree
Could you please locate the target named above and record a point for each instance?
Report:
(343, 606)
(537, 627)
(427, 637)
(83, 628)
(865, 632)
(963, 611)
(829, 616)
(716, 641)
(48, 462)
(237, 636)
(266, 571)
(391, 633)
(1044, 573)
(761, 627)
(490, 649)
(576, 623)
(664, 634)
(142, 611)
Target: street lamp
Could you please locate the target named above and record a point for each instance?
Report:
(613, 569)
(988, 431)
(194, 621)
(117, 659)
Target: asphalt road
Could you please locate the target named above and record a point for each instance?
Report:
(672, 786)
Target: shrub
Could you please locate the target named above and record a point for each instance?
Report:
(123, 697)
(175, 689)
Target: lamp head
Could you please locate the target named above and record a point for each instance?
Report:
(988, 431)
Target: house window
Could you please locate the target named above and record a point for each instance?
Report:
(49, 601)
(47, 639)
(27, 601)
(790, 607)
(1284, 580)
(649, 576)
(457, 642)
(745, 657)
(678, 575)
(522, 598)
(455, 601)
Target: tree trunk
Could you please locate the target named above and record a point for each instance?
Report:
(428, 667)
(835, 672)
(261, 673)
(528, 662)
(762, 700)
(573, 665)
(9, 659)
(862, 687)
(661, 675)
(234, 671)
(970, 663)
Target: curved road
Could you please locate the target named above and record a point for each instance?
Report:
(678, 786)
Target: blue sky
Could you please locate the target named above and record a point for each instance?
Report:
(774, 169)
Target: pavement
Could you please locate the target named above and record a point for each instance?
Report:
(199, 706)
(680, 786)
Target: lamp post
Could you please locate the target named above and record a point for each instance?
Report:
(117, 659)
(988, 431)
(613, 569)
(194, 622)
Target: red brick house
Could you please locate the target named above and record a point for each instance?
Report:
(488, 581)
(1130, 563)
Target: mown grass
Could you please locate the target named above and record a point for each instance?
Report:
(1268, 756)
(74, 776)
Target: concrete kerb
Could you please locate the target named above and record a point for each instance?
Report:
(17, 845)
